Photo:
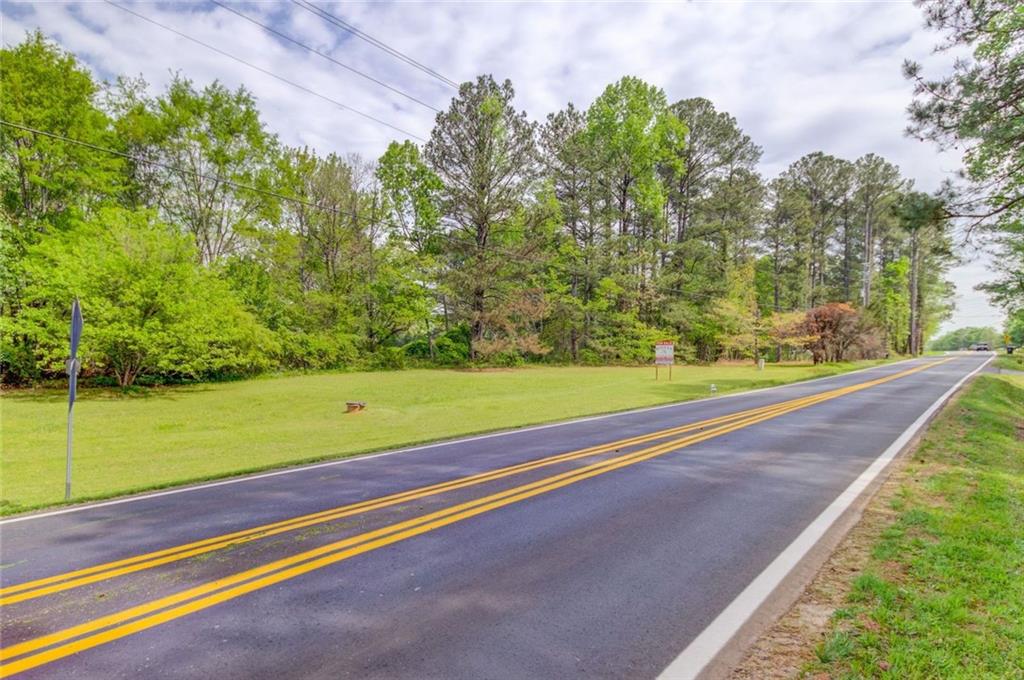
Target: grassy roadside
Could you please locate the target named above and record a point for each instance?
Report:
(940, 593)
(1013, 362)
(164, 437)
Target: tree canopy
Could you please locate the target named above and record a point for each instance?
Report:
(977, 107)
(201, 247)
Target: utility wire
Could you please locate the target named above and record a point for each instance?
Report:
(324, 56)
(263, 70)
(345, 26)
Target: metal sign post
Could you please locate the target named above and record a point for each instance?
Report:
(664, 355)
(73, 366)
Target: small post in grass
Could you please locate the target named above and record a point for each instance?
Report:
(73, 366)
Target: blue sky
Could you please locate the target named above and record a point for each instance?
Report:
(799, 77)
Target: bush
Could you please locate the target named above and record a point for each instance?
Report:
(418, 349)
(149, 307)
(449, 351)
(319, 350)
(389, 359)
(590, 357)
(450, 348)
(633, 343)
(506, 360)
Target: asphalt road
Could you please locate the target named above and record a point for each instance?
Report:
(600, 563)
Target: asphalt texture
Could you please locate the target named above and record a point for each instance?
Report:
(611, 576)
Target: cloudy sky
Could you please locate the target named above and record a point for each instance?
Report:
(799, 77)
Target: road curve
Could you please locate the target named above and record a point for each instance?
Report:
(602, 547)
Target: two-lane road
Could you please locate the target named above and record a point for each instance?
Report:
(601, 547)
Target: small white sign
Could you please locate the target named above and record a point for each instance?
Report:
(664, 353)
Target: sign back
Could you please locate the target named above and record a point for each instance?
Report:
(76, 336)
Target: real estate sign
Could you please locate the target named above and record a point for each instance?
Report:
(664, 353)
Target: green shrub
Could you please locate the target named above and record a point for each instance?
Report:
(149, 307)
(317, 350)
(389, 358)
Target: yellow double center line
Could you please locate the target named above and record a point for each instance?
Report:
(73, 579)
(101, 572)
(126, 622)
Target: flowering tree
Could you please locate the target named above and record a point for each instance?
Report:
(831, 330)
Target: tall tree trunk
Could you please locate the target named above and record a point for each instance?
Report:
(479, 292)
(847, 257)
(431, 345)
(477, 327)
(914, 266)
(869, 242)
(776, 286)
(623, 206)
(574, 340)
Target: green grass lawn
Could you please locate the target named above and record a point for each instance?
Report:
(943, 593)
(161, 437)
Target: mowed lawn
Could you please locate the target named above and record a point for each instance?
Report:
(126, 443)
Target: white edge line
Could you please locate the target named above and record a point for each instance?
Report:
(357, 457)
(706, 646)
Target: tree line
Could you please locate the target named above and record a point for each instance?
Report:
(964, 338)
(201, 247)
(977, 108)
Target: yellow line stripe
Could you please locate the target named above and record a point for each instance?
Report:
(375, 535)
(66, 581)
(355, 545)
(148, 560)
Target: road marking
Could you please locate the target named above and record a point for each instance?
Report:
(66, 581)
(707, 645)
(148, 615)
(303, 562)
(60, 582)
(438, 444)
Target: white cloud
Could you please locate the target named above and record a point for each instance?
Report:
(799, 77)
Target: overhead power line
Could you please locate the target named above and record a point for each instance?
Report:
(323, 55)
(264, 71)
(379, 44)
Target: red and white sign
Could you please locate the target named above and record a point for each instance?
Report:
(664, 353)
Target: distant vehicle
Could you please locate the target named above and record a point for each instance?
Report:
(982, 347)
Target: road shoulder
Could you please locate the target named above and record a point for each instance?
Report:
(859, 611)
